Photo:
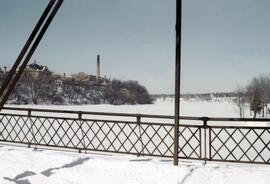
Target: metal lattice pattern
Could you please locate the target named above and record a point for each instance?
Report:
(57, 132)
(111, 136)
(96, 135)
(15, 129)
(240, 144)
(218, 143)
(157, 139)
(190, 142)
(128, 137)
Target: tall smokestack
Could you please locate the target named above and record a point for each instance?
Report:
(98, 68)
(5, 69)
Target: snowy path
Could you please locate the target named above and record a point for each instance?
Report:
(26, 166)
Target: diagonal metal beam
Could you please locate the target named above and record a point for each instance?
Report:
(26, 46)
(28, 50)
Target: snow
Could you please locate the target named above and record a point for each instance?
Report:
(55, 167)
(28, 166)
(160, 107)
(197, 108)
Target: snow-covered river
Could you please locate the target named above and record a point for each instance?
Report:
(160, 107)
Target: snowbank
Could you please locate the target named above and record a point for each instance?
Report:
(28, 166)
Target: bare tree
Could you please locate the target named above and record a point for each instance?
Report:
(240, 101)
(264, 83)
(255, 94)
(45, 87)
(39, 85)
(69, 90)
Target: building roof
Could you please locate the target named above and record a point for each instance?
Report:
(37, 67)
(2, 75)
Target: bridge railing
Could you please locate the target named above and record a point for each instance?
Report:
(200, 138)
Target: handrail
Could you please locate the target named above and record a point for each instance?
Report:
(200, 140)
(192, 118)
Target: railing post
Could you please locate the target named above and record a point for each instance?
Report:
(79, 115)
(29, 114)
(209, 142)
(140, 133)
(31, 126)
(205, 127)
(82, 132)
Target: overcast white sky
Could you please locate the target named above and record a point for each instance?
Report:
(225, 42)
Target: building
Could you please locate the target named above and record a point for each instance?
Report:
(35, 69)
(1, 71)
(2, 74)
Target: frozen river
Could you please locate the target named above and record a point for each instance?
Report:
(160, 107)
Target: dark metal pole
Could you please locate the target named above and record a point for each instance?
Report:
(177, 79)
(98, 68)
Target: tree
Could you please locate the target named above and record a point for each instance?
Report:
(39, 85)
(240, 100)
(137, 94)
(255, 94)
(43, 86)
(114, 93)
(70, 90)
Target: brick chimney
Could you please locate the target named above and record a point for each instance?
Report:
(98, 68)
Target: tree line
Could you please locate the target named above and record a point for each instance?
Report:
(256, 94)
(49, 88)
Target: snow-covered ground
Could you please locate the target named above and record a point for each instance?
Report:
(28, 166)
(218, 108)
(215, 108)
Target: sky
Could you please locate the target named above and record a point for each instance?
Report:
(225, 43)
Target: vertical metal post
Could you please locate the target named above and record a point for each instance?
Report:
(140, 134)
(98, 68)
(80, 127)
(177, 79)
(32, 129)
(205, 127)
(82, 132)
(31, 126)
(210, 142)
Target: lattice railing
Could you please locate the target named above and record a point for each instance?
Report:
(112, 136)
(197, 140)
(157, 139)
(57, 132)
(15, 129)
(247, 144)
(190, 141)
(154, 139)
